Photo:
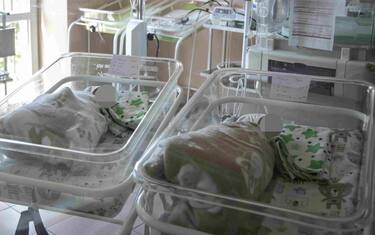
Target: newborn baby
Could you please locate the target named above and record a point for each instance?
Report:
(61, 119)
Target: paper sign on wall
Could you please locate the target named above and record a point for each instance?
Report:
(312, 23)
(289, 88)
(124, 66)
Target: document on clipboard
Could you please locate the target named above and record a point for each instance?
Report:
(312, 23)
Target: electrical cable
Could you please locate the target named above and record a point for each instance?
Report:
(197, 9)
(211, 1)
(185, 18)
(157, 45)
(151, 37)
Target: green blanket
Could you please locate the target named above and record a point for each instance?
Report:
(302, 152)
(232, 159)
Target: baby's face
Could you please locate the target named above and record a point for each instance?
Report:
(188, 176)
(188, 181)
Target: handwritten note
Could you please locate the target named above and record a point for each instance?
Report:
(290, 88)
(124, 66)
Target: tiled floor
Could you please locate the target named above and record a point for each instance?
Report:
(57, 223)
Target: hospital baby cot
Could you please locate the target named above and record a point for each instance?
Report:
(85, 180)
(292, 111)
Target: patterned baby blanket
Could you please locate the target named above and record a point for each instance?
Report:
(320, 171)
(62, 119)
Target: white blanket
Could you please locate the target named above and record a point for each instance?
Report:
(61, 119)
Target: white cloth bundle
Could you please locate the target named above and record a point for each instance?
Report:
(61, 119)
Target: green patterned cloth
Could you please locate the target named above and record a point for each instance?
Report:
(129, 111)
(337, 196)
(303, 152)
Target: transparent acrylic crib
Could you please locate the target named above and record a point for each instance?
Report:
(103, 193)
(234, 92)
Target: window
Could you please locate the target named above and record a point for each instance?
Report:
(23, 17)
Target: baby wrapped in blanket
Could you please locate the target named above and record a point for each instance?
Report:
(75, 120)
(62, 119)
(232, 159)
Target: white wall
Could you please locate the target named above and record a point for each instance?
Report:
(53, 25)
(55, 17)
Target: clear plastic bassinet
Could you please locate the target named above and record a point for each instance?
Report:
(87, 181)
(231, 93)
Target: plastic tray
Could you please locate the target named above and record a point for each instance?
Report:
(231, 93)
(112, 16)
(167, 22)
(101, 174)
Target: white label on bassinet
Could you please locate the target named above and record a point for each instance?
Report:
(124, 66)
(289, 88)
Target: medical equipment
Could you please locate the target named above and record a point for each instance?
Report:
(282, 58)
(113, 11)
(225, 96)
(227, 16)
(7, 48)
(353, 40)
(353, 25)
(136, 32)
(179, 20)
(112, 18)
(7, 38)
(95, 182)
(136, 38)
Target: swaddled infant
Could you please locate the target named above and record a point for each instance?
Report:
(231, 159)
(61, 119)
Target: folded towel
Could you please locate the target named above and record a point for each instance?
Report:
(303, 152)
(129, 111)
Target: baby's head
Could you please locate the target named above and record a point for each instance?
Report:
(188, 176)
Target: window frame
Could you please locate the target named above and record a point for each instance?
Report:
(32, 18)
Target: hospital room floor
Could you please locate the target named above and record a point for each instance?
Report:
(58, 223)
